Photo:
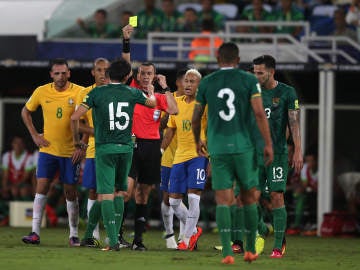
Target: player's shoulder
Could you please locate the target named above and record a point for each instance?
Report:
(45, 87)
(286, 88)
(284, 85)
(76, 87)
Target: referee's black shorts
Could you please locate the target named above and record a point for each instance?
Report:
(146, 161)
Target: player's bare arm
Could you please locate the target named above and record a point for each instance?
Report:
(38, 139)
(294, 125)
(163, 121)
(80, 147)
(196, 128)
(169, 135)
(262, 122)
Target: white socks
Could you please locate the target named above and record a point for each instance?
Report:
(167, 214)
(38, 209)
(193, 215)
(96, 232)
(180, 209)
(73, 215)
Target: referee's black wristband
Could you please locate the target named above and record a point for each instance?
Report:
(126, 45)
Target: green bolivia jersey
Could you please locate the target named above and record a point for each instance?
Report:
(277, 103)
(112, 109)
(228, 93)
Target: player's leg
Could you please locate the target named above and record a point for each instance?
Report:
(277, 176)
(222, 183)
(121, 186)
(89, 182)
(167, 211)
(127, 197)
(105, 177)
(196, 180)
(176, 188)
(46, 169)
(69, 176)
(237, 222)
(247, 170)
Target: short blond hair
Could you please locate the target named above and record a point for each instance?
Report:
(194, 72)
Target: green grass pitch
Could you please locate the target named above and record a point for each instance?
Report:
(305, 253)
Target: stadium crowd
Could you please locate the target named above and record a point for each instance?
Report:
(188, 17)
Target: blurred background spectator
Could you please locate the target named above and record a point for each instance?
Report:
(304, 193)
(17, 166)
(341, 27)
(256, 12)
(149, 19)
(100, 27)
(190, 21)
(199, 46)
(208, 12)
(288, 12)
(353, 16)
(171, 16)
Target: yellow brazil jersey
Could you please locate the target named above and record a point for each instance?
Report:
(90, 152)
(168, 156)
(57, 108)
(186, 148)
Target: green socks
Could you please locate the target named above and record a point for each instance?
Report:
(119, 211)
(108, 213)
(280, 218)
(251, 224)
(94, 217)
(262, 228)
(237, 223)
(223, 220)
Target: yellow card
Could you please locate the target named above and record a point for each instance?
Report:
(133, 21)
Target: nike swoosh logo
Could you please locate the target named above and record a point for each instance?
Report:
(198, 183)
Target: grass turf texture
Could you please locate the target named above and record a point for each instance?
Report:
(54, 253)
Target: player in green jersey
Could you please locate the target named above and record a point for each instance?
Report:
(232, 95)
(113, 107)
(282, 110)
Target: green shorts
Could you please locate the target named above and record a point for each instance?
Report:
(274, 177)
(228, 168)
(112, 169)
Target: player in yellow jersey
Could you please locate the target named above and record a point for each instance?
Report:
(167, 212)
(188, 173)
(57, 151)
(89, 179)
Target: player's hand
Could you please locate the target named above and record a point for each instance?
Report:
(297, 162)
(78, 155)
(40, 141)
(268, 155)
(127, 31)
(201, 149)
(161, 80)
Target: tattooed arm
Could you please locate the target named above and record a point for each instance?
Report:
(196, 128)
(294, 125)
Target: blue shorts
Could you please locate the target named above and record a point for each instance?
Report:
(89, 175)
(49, 165)
(165, 176)
(190, 174)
